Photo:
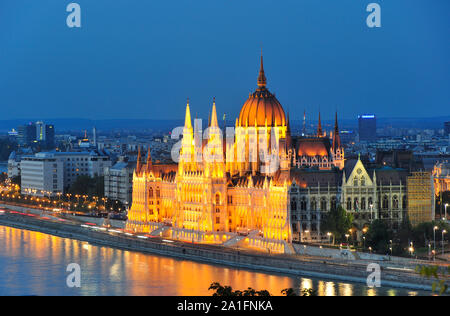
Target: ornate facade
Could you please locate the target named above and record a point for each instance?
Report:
(226, 186)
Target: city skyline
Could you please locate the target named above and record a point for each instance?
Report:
(212, 50)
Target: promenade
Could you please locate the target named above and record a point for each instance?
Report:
(392, 274)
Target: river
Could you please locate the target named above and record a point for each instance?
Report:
(33, 263)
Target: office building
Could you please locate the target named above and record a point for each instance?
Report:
(367, 124)
(421, 198)
(74, 164)
(447, 128)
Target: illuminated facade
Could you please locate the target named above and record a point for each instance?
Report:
(225, 186)
(441, 175)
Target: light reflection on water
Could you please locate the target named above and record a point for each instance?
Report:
(33, 263)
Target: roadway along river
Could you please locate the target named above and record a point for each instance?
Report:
(33, 263)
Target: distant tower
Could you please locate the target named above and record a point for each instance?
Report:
(94, 132)
(319, 128)
(304, 123)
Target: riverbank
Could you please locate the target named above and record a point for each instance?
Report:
(391, 275)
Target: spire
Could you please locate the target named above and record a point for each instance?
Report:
(319, 128)
(187, 120)
(336, 128)
(214, 122)
(336, 137)
(304, 123)
(262, 78)
(138, 163)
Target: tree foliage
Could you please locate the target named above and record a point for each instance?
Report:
(440, 286)
(221, 290)
(85, 185)
(379, 236)
(338, 222)
(6, 147)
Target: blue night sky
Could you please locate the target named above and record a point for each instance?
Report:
(142, 58)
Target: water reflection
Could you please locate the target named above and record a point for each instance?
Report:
(35, 264)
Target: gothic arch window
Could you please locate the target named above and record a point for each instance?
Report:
(363, 203)
(313, 204)
(355, 182)
(333, 205)
(370, 202)
(385, 204)
(158, 193)
(363, 181)
(151, 193)
(356, 204)
(293, 204)
(303, 204)
(349, 204)
(323, 204)
(395, 202)
(217, 198)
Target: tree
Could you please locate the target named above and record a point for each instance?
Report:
(378, 236)
(6, 147)
(85, 185)
(338, 221)
(440, 286)
(226, 290)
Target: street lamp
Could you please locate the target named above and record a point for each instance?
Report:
(329, 237)
(443, 232)
(434, 237)
(411, 248)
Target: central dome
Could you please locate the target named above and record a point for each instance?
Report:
(262, 107)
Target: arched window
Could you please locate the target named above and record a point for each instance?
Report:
(355, 182)
(333, 203)
(395, 202)
(313, 204)
(363, 203)
(385, 204)
(323, 204)
(158, 193)
(349, 204)
(363, 181)
(303, 204)
(370, 202)
(293, 205)
(356, 204)
(151, 193)
(217, 199)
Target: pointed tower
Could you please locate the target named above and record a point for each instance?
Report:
(262, 81)
(187, 143)
(336, 138)
(319, 128)
(214, 158)
(214, 122)
(138, 163)
(304, 123)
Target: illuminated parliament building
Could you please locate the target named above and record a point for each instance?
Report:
(225, 187)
